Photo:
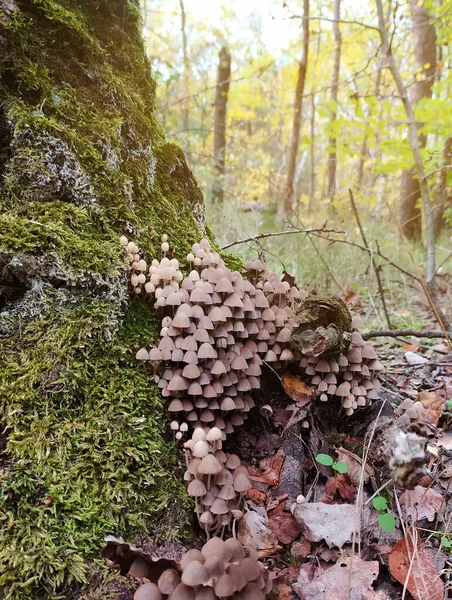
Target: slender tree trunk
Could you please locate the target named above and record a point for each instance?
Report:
(424, 37)
(312, 155)
(415, 146)
(332, 142)
(364, 146)
(219, 142)
(297, 114)
(444, 196)
(186, 67)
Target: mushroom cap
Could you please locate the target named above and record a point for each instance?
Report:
(142, 354)
(206, 593)
(214, 434)
(177, 383)
(191, 371)
(215, 566)
(227, 492)
(242, 483)
(209, 465)
(225, 586)
(196, 488)
(206, 350)
(183, 592)
(168, 581)
(191, 555)
(235, 571)
(215, 547)
(250, 568)
(343, 389)
(140, 568)
(195, 574)
(251, 592)
(219, 507)
(147, 591)
(236, 548)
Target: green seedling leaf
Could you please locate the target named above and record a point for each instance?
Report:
(380, 503)
(387, 522)
(324, 459)
(340, 467)
(446, 542)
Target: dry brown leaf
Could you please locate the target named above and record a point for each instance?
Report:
(254, 531)
(424, 583)
(334, 523)
(433, 406)
(285, 592)
(300, 549)
(337, 583)
(283, 525)
(296, 389)
(269, 469)
(411, 347)
(355, 466)
(340, 484)
(445, 441)
(257, 496)
(425, 503)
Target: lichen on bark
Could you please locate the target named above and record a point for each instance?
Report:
(83, 160)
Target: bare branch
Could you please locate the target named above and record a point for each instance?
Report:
(394, 333)
(279, 233)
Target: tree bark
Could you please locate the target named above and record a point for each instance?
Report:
(186, 67)
(297, 114)
(332, 142)
(84, 448)
(444, 199)
(219, 142)
(424, 37)
(312, 155)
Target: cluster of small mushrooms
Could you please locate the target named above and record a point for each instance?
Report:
(218, 328)
(221, 569)
(353, 376)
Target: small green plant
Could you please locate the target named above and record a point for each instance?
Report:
(328, 461)
(446, 543)
(385, 519)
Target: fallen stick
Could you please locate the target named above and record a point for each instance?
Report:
(430, 334)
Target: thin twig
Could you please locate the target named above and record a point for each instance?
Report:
(279, 233)
(372, 259)
(419, 333)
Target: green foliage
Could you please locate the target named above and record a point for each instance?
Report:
(380, 503)
(385, 519)
(328, 461)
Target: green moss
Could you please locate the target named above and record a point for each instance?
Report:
(85, 449)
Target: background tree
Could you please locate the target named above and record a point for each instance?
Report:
(332, 142)
(219, 142)
(424, 43)
(297, 113)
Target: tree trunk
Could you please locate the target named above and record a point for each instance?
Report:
(186, 68)
(297, 114)
(424, 37)
(312, 156)
(332, 142)
(444, 197)
(84, 450)
(219, 141)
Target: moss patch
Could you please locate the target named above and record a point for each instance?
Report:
(84, 448)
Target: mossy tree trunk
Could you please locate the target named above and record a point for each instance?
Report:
(82, 161)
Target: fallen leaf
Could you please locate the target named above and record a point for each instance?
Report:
(296, 389)
(269, 469)
(445, 441)
(433, 406)
(355, 466)
(350, 578)
(276, 502)
(352, 299)
(285, 592)
(300, 549)
(284, 525)
(281, 416)
(425, 503)
(256, 496)
(254, 531)
(413, 358)
(424, 583)
(340, 484)
(334, 523)
(411, 347)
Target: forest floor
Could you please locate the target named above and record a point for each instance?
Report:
(327, 531)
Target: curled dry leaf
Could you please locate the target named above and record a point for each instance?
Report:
(433, 406)
(349, 578)
(269, 469)
(296, 389)
(421, 503)
(424, 583)
(355, 466)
